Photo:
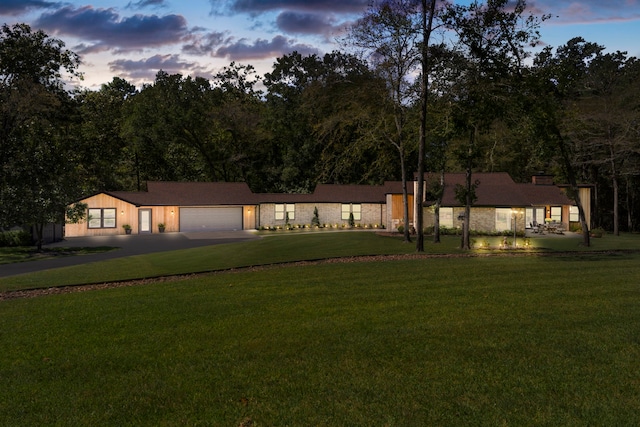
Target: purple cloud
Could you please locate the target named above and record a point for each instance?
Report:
(587, 11)
(109, 31)
(261, 6)
(146, 3)
(18, 7)
(262, 49)
(204, 45)
(146, 69)
(306, 23)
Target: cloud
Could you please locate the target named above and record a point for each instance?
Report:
(108, 30)
(262, 49)
(588, 11)
(141, 4)
(146, 69)
(204, 45)
(261, 6)
(306, 23)
(18, 7)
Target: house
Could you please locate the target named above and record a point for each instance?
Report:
(503, 204)
(180, 206)
(209, 206)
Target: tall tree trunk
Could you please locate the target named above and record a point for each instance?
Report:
(39, 236)
(405, 199)
(427, 23)
(616, 209)
(466, 241)
(614, 185)
(436, 221)
(629, 207)
(574, 193)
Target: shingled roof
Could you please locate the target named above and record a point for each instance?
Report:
(238, 193)
(499, 189)
(494, 189)
(189, 194)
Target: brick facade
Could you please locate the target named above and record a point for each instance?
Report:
(328, 213)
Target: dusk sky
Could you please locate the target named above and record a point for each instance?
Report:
(133, 39)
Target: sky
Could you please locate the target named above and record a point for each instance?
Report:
(134, 39)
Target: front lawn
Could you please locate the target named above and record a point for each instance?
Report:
(279, 248)
(447, 341)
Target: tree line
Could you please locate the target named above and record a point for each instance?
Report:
(417, 87)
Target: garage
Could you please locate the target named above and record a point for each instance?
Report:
(210, 219)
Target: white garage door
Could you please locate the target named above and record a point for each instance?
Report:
(210, 219)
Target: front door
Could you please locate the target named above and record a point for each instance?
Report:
(144, 221)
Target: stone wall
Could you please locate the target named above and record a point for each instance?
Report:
(483, 219)
(328, 213)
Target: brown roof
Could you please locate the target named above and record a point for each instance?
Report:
(238, 193)
(499, 189)
(494, 189)
(538, 195)
(189, 194)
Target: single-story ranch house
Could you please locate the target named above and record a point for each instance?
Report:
(211, 206)
(500, 201)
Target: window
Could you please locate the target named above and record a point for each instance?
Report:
(283, 210)
(503, 219)
(556, 213)
(102, 218)
(574, 215)
(446, 217)
(350, 208)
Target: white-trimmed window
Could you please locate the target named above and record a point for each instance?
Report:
(351, 208)
(556, 213)
(503, 219)
(102, 218)
(446, 217)
(284, 210)
(574, 214)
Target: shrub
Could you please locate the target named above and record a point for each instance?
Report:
(401, 229)
(315, 221)
(15, 238)
(598, 232)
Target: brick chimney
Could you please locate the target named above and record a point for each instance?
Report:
(542, 180)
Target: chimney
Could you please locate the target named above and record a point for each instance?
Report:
(542, 180)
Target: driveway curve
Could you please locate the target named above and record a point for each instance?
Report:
(128, 245)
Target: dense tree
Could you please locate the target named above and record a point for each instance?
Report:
(342, 108)
(104, 155)
(428, 11)
(605, 126)
(37, 147)
(389, 34)
(239, 113)
(556, 83)
(492, 38)
(318, 113)
(294, 150)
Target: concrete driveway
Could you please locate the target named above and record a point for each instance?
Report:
(128, 246)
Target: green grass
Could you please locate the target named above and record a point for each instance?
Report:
(269, 250)
(461, 341)
(278, 248)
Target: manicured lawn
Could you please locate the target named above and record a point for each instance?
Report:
(458, 341)
(269, 250)
(283, 247)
